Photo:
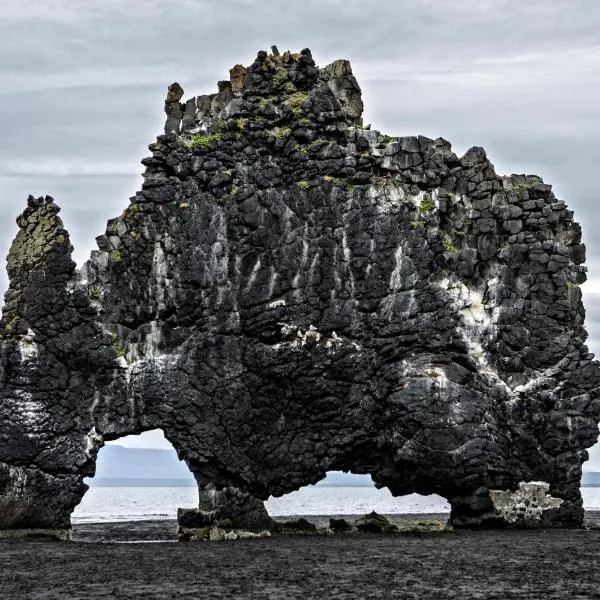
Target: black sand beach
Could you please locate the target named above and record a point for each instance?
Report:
(491, 564)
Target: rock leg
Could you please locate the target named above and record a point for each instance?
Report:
(229, 508)
(36, 504)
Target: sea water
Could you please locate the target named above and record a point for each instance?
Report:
(108, 504)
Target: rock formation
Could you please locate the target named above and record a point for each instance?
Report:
(291, 293)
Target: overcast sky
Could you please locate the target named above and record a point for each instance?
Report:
(82, 85)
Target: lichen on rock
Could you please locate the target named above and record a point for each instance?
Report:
(290, 293)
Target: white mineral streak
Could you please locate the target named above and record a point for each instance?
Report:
(313, 266)
(152, 341)
(529, 501)
(253, 275)
(337, 279)
(302, 262)
(372, 246)
(401, 301)
(95, 403)
(159, 263)
(540, 380)
(272, 281)
(27, 347)
(404, 276)
(146, 350)
(218, 259)
(159, 273)
(136, 371)
(234, 316)
(122, 362)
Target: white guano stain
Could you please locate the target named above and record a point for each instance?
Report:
(277, 303)
(94, 440)
(477, 323)
(347, 253)
(311, 337)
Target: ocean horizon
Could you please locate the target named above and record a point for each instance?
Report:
(138, 499)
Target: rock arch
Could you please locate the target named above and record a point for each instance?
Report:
(291, 293)
(125, 470)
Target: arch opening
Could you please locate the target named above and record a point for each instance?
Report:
(138, 478)
(347, 495)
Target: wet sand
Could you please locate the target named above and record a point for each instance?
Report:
(490, 564)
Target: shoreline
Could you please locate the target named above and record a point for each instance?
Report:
(165, 530)
(495, 564)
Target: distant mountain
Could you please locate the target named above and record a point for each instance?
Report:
(590, 478)
(119, 466)
(119, 482)
(337, 478)
(120, 463)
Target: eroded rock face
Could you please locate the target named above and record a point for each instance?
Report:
(290, 294)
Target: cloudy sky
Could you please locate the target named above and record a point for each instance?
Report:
(82, 85)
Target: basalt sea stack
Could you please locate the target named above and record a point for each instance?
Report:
(292, 293)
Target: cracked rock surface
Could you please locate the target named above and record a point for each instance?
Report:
(292, 293)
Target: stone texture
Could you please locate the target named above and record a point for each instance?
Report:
(290, 294)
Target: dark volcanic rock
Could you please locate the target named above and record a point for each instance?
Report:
(299, 526)
(375, 523)
(290, 294)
